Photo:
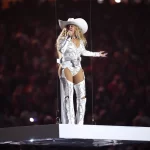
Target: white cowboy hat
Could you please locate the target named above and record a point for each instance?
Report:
(81, 23)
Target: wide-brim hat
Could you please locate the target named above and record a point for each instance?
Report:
(81, 23)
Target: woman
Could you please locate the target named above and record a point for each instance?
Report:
(70, 46)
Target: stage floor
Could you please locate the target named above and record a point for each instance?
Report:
(74, 135)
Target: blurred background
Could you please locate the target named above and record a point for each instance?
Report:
(29, 85)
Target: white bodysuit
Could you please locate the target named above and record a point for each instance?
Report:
(71, 55)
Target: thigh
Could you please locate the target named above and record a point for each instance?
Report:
(78, 77)
(59, 71)
(67, 74)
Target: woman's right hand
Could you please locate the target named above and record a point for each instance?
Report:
(69, 33)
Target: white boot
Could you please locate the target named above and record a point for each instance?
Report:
(81, 101)
(67, 106)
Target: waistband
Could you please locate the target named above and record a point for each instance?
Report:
(70, 63)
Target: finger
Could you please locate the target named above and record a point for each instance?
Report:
(104, 55)
(102, 51)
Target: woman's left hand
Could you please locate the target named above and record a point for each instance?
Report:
(103, 54)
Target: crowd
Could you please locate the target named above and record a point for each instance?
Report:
(120, 91)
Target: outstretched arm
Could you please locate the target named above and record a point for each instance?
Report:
(89, 53)
(93, 54)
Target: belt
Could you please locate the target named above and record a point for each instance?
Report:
(74, 62)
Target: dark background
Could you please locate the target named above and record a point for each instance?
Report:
(118, 86)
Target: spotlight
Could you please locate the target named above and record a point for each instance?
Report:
(31, 119)
(31, 140)
(117, 1)
(100, 1)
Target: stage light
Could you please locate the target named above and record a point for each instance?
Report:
(31, 119)
(31, 140)
(100, 1)
(117, 1)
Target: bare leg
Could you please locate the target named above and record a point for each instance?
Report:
(79, 86)
(66, 88)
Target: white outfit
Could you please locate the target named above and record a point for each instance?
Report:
(71, 59)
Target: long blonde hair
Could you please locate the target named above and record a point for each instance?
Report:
(78, 33)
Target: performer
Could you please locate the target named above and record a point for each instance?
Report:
(70, 46)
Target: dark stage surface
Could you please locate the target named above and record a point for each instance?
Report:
(75, 136)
